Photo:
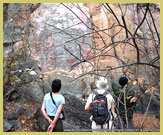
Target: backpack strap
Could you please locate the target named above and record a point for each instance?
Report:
(104, 94)
(96, 93)
(53, 99)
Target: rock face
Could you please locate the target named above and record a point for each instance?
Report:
(76, 87)
(11, 34)
(48, 37)
(76, 118)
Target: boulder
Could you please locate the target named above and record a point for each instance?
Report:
(12, 115)
(13, 95)
(41, 121)
(10, 125)
(16, 125)
(32, 92)
(15, 113)
(76, 116)
(7, 126)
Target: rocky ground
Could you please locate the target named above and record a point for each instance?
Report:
(29, 122)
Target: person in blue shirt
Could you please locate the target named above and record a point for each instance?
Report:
(51, 111)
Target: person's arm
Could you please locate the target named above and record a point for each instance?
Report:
(130, 95)
(113, 110)
(45, 114)
(88, 104)
(52, 125)
(87, 107)
(112, 106)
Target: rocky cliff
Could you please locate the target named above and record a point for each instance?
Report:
(46, 41)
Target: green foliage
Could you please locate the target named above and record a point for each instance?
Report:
(10, 62)
(14, 80)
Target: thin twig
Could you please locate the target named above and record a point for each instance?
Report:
(142, 123)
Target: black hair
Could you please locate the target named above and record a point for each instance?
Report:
(56, 85)
(123, 81)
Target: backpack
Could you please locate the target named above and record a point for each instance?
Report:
(99, 108)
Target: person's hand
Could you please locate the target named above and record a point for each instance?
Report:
(50, 128)
(114, 115)
(50, 121)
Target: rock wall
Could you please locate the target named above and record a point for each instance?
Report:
(55, 26)
(104, 19)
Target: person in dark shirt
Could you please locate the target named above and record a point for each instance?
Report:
(124, 106)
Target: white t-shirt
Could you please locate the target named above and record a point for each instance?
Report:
(110, 100)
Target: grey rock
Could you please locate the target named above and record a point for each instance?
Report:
(41, 121)
(11, 34)
(10, 125)
(13, 95)
(16, 125)
(7, 126)
(33, 92)
(15, 113)
(18, 108)
(46, 88)
(29, 88)
(27, 78)
(12, 115)
(75, 113)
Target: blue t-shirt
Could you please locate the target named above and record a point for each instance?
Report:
(51, 109)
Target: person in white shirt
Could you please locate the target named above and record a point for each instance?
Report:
(102, 86)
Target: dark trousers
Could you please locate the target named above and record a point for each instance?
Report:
(59, 125)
